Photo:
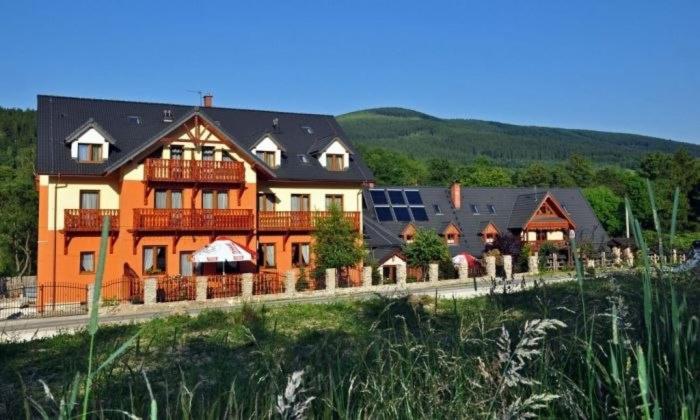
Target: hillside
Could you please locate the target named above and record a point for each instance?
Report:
(424, 136)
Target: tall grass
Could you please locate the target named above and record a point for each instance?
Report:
(626, 345)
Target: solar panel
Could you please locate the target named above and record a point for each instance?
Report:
(419, 214)
(402, 214)
(396, 197)
(378, 197)
(413, 197)
(384, 214)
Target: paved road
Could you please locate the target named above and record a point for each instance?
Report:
(28, 329)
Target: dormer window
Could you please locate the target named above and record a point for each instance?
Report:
(451, 238)
(334, 162)
(90, 153)
(267, 157)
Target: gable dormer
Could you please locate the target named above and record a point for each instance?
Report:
(408, 233)
(451, 233)
(269, 150)
(332, 154)
(90, 143)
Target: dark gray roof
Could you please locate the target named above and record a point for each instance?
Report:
(504, 200)
(525, 205)
(59, 117)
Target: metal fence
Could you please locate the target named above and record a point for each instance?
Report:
(267, 283)
(43, 301)
(349, 276)
(311, 278)
(123, 289)
(224, 286)
(174, 289)
(416, 274)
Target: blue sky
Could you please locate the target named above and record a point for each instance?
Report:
(630, 66)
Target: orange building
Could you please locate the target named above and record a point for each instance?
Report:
(173, 178)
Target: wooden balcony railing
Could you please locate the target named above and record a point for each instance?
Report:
(194, 220)
(208, 171)
(298, 220)
(89, 220)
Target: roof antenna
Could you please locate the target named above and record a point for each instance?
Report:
(200, 93)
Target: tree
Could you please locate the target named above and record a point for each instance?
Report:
(484, 173)
(608, 207)
(534, 175)
(336, 242)
(393, 168)
(441, 172)
(580, 170)
(427, 247)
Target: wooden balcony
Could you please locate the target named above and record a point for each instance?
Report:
(194, 171)
(285, 221)
(89, 220)
(192, 220)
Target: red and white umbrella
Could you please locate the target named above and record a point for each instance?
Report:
(465, 258)
(222, 250)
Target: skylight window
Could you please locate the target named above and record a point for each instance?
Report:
(563, 206)
(437, 209)
(307, 129)
(492, 208)
(134, 119)
(303, 159)
(475, 208)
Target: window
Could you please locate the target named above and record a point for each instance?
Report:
(214, 200)
(475, 209)
(176, 152)
(307, 129)
(300, 254)
(303, 159)
(186, 267)
(89, 200)
(207, 153)
(168, 199)
(451, 238)
(90, 152)
(334, 199)
(134, 119)
(266, 256)
(267, 157)
(226, 156)
(334, 162)
(437, 209)
(408, 238)
(563, 206)
(154, 259)
(87, 262)
(266, 202)
(301, 202)
(491, 208)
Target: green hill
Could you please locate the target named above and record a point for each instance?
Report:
(424, 136)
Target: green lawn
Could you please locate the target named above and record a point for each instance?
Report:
(380, 357)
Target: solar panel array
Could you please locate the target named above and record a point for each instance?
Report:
(398, 205)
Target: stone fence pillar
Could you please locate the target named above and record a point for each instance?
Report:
(590, 263)
(463, 271)
(603, 259)
(555, 261)
(367, 276)
(91, 296)
(150, 286)
(247, 286)
(629, 257)
(201, 288)
(533, 264)
(433, 272)
(617, 259)
(674, 256)
(508, 266)
(490, 266)
(290, 283)
(401, 275)
(330, 279)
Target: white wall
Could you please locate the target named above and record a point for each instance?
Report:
(91, 136)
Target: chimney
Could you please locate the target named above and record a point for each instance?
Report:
(456, 194)
(208, 100)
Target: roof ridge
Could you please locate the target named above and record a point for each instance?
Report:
(183, 105)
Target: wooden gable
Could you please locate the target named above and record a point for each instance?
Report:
(549, 215)
(490, 229)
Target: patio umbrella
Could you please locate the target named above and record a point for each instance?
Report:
(223, 251)
(465, 258)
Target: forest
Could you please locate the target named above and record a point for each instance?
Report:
(607, 166)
